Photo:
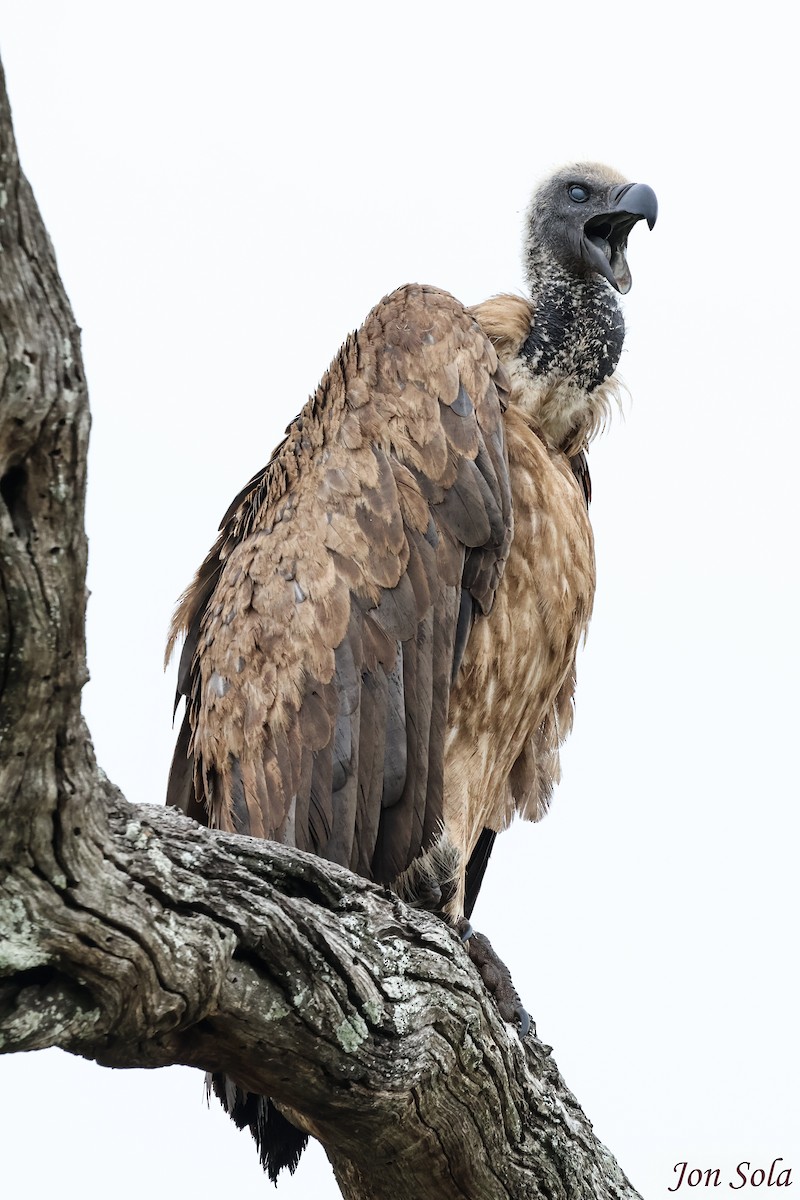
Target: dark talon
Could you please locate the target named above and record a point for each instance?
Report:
(495, 975)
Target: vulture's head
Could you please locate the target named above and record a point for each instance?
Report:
(581, 217)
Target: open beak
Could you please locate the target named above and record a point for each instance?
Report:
(605, 236)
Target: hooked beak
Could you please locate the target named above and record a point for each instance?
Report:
(605, 237)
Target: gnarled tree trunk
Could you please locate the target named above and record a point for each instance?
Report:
(134, 937)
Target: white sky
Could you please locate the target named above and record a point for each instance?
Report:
(229, 191)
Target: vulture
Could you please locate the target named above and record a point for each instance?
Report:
(379, 655)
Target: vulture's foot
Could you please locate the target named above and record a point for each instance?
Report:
(495, 975)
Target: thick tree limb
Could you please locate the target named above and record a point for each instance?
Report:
(136, 938)
(309, 984)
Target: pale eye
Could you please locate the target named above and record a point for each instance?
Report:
(578, 193)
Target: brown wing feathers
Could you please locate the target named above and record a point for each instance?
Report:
(322, 627)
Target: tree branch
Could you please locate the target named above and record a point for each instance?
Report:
(134, 937)
(170, 944)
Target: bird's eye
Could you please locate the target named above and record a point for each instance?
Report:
(578, 193)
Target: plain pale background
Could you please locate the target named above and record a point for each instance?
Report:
(229, 189)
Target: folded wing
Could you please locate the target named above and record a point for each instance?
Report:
(326, 624)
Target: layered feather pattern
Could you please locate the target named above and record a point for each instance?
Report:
(322, 628)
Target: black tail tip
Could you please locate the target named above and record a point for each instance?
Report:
(280, 1143)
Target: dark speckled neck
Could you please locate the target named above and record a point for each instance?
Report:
(577, 330)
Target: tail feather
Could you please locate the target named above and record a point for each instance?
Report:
(279, 1143)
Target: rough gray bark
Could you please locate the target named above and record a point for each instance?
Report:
(131, 936)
